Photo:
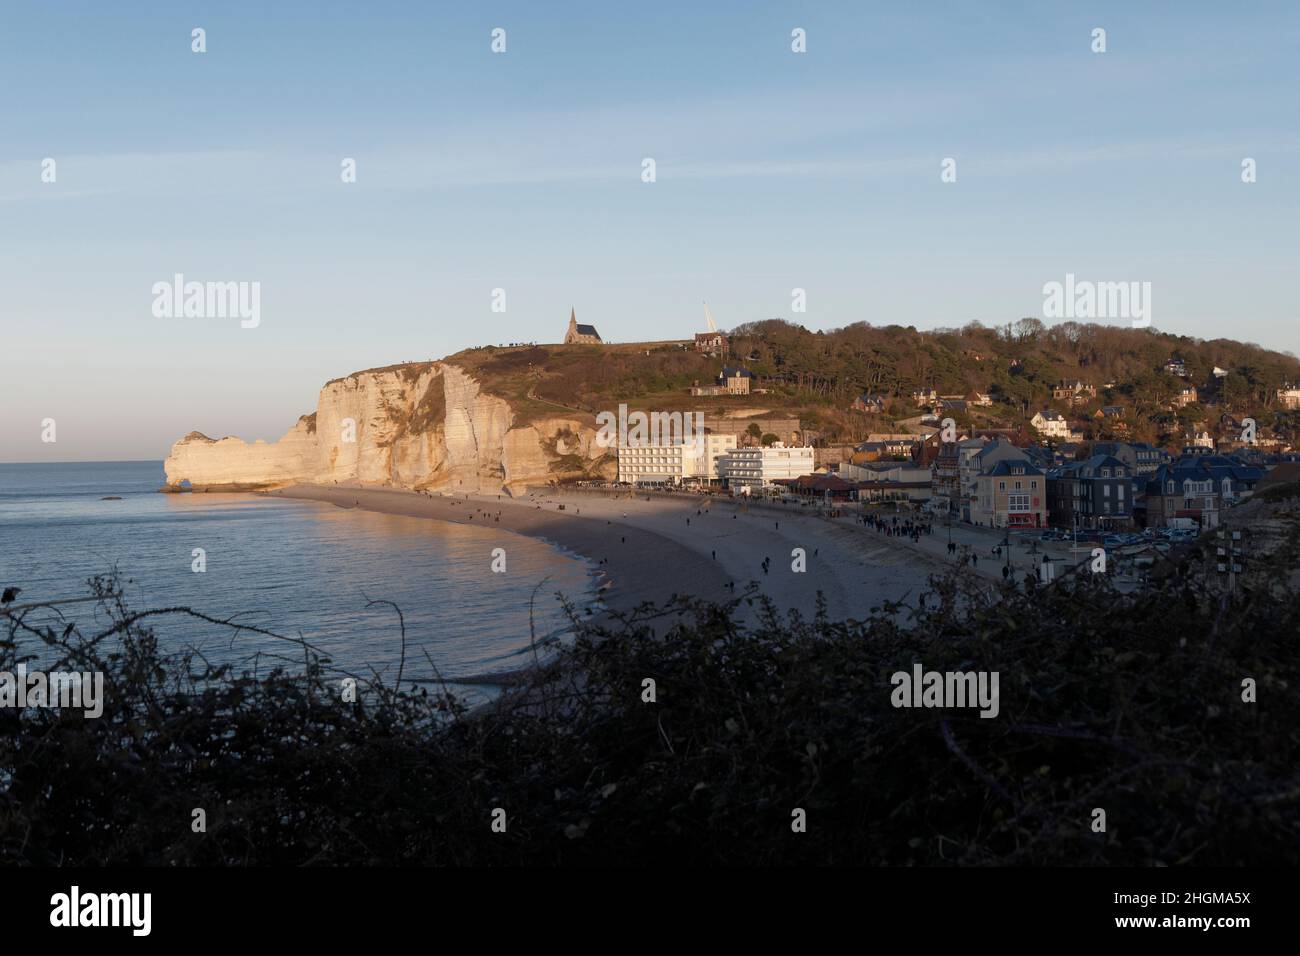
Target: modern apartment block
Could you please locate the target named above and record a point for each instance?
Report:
(757, 468)
(674, 463)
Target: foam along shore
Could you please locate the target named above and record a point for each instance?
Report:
(652, 549)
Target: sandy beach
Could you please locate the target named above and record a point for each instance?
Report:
(651, 549)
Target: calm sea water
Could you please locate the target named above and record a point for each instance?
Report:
(288, 566)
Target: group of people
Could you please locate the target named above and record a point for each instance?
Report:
(896, 527)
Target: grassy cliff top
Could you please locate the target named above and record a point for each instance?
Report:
(581, 380)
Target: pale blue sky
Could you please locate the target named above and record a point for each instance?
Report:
(522, 171)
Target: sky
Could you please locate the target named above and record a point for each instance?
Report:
(523, 171)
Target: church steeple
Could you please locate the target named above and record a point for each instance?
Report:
(585, 334)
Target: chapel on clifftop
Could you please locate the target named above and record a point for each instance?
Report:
(580, 334)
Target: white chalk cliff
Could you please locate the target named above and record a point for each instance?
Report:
(424, 426)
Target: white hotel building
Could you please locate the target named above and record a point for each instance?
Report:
(759, 467)
(671, 464)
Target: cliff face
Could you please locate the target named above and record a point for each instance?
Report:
(424, 426)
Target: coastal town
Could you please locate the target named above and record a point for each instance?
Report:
(1068, 477)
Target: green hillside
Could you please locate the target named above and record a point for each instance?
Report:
(816, 375)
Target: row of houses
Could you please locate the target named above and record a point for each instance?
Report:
(997, 484)
(928, 399)
(1070, 392)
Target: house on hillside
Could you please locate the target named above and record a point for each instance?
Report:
(735, 380)
(1050, 423)
(1112, 418)
(1186, 396)
(1288, 396)
(712, 343)
(1074, 393)
(1175, 366)
(580, 334)
(730, 381)
(875, 404)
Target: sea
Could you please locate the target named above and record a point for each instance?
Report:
(297, 568)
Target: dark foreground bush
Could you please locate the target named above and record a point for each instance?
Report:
(1132, 705)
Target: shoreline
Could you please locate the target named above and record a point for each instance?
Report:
(652, 549)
